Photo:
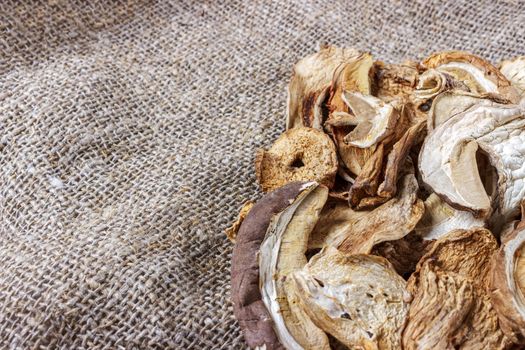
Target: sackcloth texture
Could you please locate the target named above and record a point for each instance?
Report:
(128, 131)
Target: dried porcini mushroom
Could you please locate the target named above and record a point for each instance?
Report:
(270, 244)
(309, 268)
(299, 154)
(358, 231)
(451, 308)
(514, 71)
(508, 284)
(231, 232)
(477, 74)
(309, 86)
(358, 299)
(440, 218)
(449, 158)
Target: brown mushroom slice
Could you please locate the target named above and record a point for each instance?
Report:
(248, 307)
(309, 85)
(394, 81)
(476, 73)
(353, 75)
(390, 221)
(374, 119)
(299, 154)
(231, 232)
(451, 306)
(508, 284)
(514, 71)
(283, 252)
(448, 158)
(358, 299)
(440, 218)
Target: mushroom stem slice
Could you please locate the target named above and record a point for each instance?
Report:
(358, 299)
(375, 118)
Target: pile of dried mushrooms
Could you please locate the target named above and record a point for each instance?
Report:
(393, 216)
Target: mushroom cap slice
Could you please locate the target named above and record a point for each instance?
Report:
(477, 74)
(358, 231)
(514, 71)
(358, 299)
(299, 154)
(508, 284)
(452, 308)
(282, 253)
(309, 85)
(248, 307)
(440, 218)
(448, 161)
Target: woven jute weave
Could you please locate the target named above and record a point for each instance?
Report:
(127, 136)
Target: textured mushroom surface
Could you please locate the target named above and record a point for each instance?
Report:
(514, 71)
(358, 299)
(508, 284)
(452, 308)
(448, 158)
(299, 154)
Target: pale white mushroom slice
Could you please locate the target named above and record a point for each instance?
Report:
(440, 218)
(374, 119)
(310, 83)
(508, 284)
(282, 253)
(448, 161)
(514, 70)
(358, 299)
(477, 74)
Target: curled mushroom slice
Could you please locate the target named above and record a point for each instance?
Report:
(440, 218)
(433, 82)
(394, 81)
(358, 299)
(452, 308)
(248, 307)
(449, 158)
(357, 232)
(508, 284)
(374, 119)
(514, 71)
(478, 75)
(283, 252)
(299, 154)
(309, 85)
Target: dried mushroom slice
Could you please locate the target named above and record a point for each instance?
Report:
(514, 71)
(248, 307)
(450, 154)
(394, 81)
(440, 218)
(478, 75)
(299, 154)
(434, 82)
(451, 306)
(508, 284)
(357, 232)
(282, 253)
(310, 83)
(358, 299)
(231, 232)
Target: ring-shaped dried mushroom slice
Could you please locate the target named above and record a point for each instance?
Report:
(299, 154)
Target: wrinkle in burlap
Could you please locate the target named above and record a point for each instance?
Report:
(127, 135)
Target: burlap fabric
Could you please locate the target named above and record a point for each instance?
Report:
(127, 134)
